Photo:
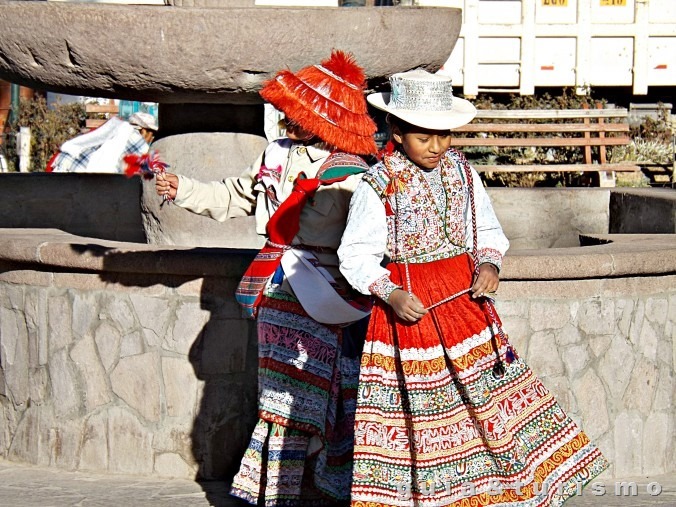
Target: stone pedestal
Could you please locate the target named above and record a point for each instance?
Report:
(208, 157)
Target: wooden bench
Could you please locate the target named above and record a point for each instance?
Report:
(98, 114)
(551, 128)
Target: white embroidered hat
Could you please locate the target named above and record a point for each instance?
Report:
(425, 100)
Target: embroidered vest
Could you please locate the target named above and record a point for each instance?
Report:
(420, 229)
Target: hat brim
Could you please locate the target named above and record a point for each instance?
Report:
(461, 113)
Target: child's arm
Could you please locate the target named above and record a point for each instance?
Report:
(486, 281)
(220, 200)
(492, 244)
(407, 306)
(361, 253)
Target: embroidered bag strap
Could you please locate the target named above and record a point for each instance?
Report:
(486, 303)
(281, 229)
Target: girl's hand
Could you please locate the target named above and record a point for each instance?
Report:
(407, 307)
(486, 281)
(166, 184)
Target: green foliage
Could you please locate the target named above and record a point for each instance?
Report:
(50, 128)
(652, 142)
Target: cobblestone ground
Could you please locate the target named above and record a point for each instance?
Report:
(30, 486)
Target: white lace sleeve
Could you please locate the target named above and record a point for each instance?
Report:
(492, 244)
(364, 241)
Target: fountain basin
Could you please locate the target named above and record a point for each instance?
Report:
(207, 55)
(130, 358)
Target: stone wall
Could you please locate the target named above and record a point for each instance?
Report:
(104, 206)
(606, 349)
(651, 211)
(531, 217)
(134, 359)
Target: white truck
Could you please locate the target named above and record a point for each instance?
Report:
(520, 45)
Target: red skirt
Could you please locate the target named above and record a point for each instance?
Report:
(436, 426)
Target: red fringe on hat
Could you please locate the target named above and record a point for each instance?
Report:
(328, 101)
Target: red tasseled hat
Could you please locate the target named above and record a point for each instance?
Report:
(328, 101)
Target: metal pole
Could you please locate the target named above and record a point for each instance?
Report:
(15, 101)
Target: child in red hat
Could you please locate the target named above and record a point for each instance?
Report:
(299, 190)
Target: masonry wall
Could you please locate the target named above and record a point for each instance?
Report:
(154, 373)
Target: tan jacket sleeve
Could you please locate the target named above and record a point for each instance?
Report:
(220, 200)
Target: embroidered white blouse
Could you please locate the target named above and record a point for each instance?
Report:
(406, 213)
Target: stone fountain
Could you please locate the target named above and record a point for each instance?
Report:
(204, 66)
(154, 371)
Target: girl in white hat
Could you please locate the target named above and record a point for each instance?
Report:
(446, 411)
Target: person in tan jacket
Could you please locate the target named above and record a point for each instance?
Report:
(299, 189)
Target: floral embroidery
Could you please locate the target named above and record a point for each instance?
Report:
(383, 287)
(416, 228)
(489, 255)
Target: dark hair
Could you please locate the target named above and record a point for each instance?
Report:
(403, 126)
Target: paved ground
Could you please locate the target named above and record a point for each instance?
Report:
(29, 486)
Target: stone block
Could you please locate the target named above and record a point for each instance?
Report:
(136, 380)
(12, 297)
(24, 444)
(615, 366)
(519, 332)
(132, 344)
(568, 335)
(628, 444)
(67, 397)
(129, 443)
(641, 388)
(647, 342)
(187, 327)
(32, 312)
(597, 316)
(665, 393)
(656, 310)
(512, 308)
(172, 465)
(38, 385)
(591, 399)
(548, 315)
(85, 313)
(94, 448)
(62, 442)
(624, 309)
(92, 373)
(576, 358)
(599, 344)
(117, 308)
(180, 388)
(60, 322)
(108, 339)
(176, 438)
(543, 355)
(637, 322)
(153, 313)
(658, 443)
(14, 354)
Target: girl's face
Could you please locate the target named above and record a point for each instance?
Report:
(423, 146)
